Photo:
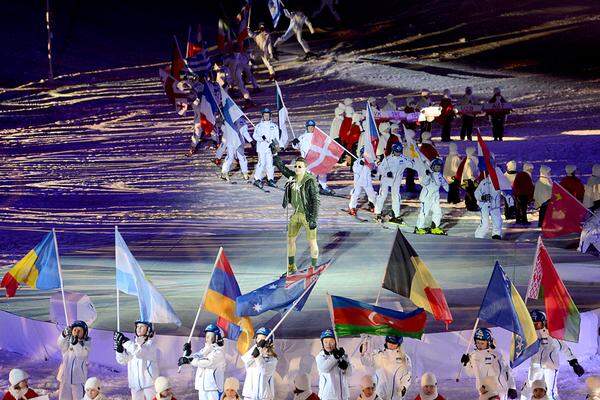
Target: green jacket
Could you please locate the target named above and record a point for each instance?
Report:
(309, 191)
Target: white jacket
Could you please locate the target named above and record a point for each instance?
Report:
(267, 129)
(548, 356)
(362, 175)
(393, 371)
(141, 359)
(484, 363)
(297, 21)
(74, 366)
(210, 364)
(451, 165)
(485, 187)
(263, 42)
(336, 124)
(430, 186)
(304, 143)
(333, 381)
(470, 170)
(592, 188)
(260, 382)
(396, 165)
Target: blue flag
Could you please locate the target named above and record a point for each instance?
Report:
(272, 296)
(275, 11)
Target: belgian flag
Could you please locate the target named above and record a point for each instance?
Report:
(408, 276)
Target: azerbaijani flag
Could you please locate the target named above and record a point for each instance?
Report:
(408, 276)
(38, 269)
(561, 312)
(219, 299)
(351, 317)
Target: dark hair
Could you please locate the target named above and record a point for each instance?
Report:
(300, 159)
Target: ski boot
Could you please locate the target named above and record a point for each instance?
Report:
(271, 183)
(371, 207)
(258, 184)
(397, 220)
(378, 218)
(291, 269)
(496, 237)
(224, 176)
(420, 231)
(246, 176)
(437, 231)
(352, 211)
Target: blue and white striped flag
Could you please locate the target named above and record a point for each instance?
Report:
(275, 11)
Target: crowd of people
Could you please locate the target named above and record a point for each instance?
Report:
(390, 371)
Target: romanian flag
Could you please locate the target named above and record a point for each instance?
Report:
(219, 299)
(351, 317)
(38, 269)
(564, 214)
(503, 306)
(408, 276)
(561, 312)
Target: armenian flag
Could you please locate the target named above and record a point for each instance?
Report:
(408, 276)
(219, 299)
(38, 269)
(351, 317)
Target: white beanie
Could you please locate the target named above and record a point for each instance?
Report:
(425, 136)
(470, 150)
(347, 101)
(366, 382)
(397, 127)
(569, 169)
(428, 378)
(545, 171)
(301, 382)
(231, 383)
(389, 97)
(528, 167)
(452, 149)
(511, 165)
(92, 383)
(371, 100)
(539, 384)
(17, 375)
(593, 385)
(349, 110)
(161, 384)
(384, 127)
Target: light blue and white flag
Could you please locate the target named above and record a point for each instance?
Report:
(231, 113)
(131, 280)
(275, 11)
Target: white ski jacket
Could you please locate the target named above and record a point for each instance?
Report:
(333, 381)
(141, 359)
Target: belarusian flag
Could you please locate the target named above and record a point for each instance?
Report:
(408, 276)
(351, 317)
(561, 312)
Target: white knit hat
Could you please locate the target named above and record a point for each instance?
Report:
(17, 375)
(428, 378)
(349, 110)
(511, 165)
(545, 171)
(231, 383)
(301, 382)
(396, 126)
(569, 169)
(384, 127)
(539, 384)
(366, 382)
(425, 136)
(528, 167)
(452, 148)
(347, 101)
(161, 384)
(371, 100)
(92, 383)
(389, 97)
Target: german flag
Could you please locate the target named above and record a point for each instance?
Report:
(408, 276)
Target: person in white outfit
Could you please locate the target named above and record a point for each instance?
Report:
(384, 135)
(367, 389)
(362, 181)
(239, 66)
(591, 198)
(543, 192)
(163, 388)
(390, 172)
(486, 362)
(432, 181)
(593, 387)
(329, 4)
(297, 22)
(264, 43)
(390, 104)
(489, 201)
(230, 389)
(93, 389)
(539, 391)
(393, 367)
(74, 344)
(336, 123)
(265, 133)
(334, 369)
(302, 143)
(260, 362)
(451, 165)
(237, 152)
(141, 357)
(209, 362)
(544, 364)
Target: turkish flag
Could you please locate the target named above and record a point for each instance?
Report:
(323, 154)
(564, 215)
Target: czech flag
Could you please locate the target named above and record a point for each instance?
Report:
(219, 299)
(38, 269)
(351, 317)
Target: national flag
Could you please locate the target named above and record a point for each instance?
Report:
(131, 280)
(243, 19)
(407, 275)
(170, 75)
(279, 294)
(486, 163)
(208, 107)
(502, 306)
(323, 154)
(282, 116)
(220, 297)
(351, 317)
(194, 45)
(223, 36)
(231, 113)
(38, 269)
(372, 138)
(564, 213)
(308, 275)
(590, 234)
(275, 10)
(562, 315)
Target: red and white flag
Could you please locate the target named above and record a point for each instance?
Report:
(533, 290)
(308, 275)
(323, 154)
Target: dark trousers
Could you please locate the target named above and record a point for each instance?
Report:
(521, 204)
(498, 127)
(466, 130)
(410, 180)
(454, 192)
(470, 200)
(446, 130)
(543, 208)
(425, 127)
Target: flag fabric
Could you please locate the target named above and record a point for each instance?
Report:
(193, 46)
(280, 294)
(564, 214)
(562, 315)
(172, 74)
(242, 20)
(502, 306)
(275, 10)
(407, 275)
(220, 297)
(371, 139)
(323, 154)
(486, 163)
(131, 280)
(38, 269)
(282, 114)
(231, 113)
(223, 36)
(590, 234)
(208, 107)
(351, 317)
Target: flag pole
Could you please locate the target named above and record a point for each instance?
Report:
(49, 29)
(116, 284)
(468, 345)
(187, 45)
(62, 287)
(330, 307)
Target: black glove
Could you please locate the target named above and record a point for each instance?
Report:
(118, 348)
(403, 391)
(361, 162)
(255, 352)
(273, 148)
(295, 141)
(312, 225)
(120, 338)
(578, 369)
(262, 343)
(187, 349)
(343, 364)
(512, 393)
(427, 172)
(74, 340)
(486, 197)
(464, 359)
(183, 361)
(264, 137)
(66, 332)
(389, 174)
